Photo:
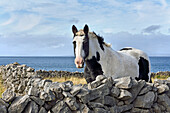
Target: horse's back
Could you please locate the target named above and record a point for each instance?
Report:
(143, 61)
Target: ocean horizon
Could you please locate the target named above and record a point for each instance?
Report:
(66, 63)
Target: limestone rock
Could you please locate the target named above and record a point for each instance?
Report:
(165, 101)
(138, 110)
(32, 107)
(37, 100)
(83, 95)
(19, 104)
(100, 110)
(125, 95)
(121, 109)
(162, 88)
(8, 95)
(42, 110)
(3, 109)
(71, 102)
(115, 92)
(61, 107)
(145, 101)
(33, 91)
(100, 77)
(135, 90)
(3, 103)
(124, 82)
(145, 90)
(75, 90)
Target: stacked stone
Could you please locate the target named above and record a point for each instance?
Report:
(58, 74)
(104, 95)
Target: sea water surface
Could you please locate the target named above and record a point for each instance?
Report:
(67, 63)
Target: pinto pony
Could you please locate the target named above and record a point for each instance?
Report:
(101, 59)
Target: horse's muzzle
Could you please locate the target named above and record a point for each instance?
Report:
(79, 62)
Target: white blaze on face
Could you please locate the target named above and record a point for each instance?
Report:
(79, 52)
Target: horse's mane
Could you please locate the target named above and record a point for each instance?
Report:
(100, 39)
(94, 35)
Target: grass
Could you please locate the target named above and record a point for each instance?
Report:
(160, 77)
(75, 80)
(2, 88)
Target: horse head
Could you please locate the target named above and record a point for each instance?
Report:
(81, 45)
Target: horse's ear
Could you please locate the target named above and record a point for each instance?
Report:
(74, 29)
(86, 29)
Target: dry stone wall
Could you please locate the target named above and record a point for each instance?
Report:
(27, 92)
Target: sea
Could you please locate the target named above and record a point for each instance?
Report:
(67, 63)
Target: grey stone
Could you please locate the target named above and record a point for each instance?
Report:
(125, 95)
(121, 109)
(107, 100)
(165, 101)
(97, 92)
(55, 87)
(29, 69)
(61, 107)
(109, 81)
(84, 109)
(42, 110)
(19, 104)
(3, 109)
(33, 91)
(100, 77)
(156, 108)
(3, 103)
(83, 95)
(145, 101)
(65, 86)
(95, 105)
(71, 102)
(67, 94)
(75, 90)
(135, 91)
(37, 100)
(115, 92)
(32, 107)
(162, 88)
(94, 84)
(100, 110)
(120, 103)
(138, 110)
(42, 83)
(124, 83)
(145, 90)
(159, 81)
(8, 95)
(43, 95)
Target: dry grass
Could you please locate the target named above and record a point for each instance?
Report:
(2, 88)
(75, 80)
(160, 77)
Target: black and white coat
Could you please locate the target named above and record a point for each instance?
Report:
(101, 59)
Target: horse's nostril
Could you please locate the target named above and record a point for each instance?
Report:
(77, 62)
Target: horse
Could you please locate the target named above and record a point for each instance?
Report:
(101, 59)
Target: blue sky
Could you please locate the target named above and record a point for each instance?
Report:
(43, 27)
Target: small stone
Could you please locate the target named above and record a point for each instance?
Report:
(3, 109)
(165, 101)
(124, 82)
(75, 90)
(8, 95)
(125, 95)
(83, 95)
(37, 100)
(30, 69)
(33, 91)
(145, 101)
(32, 107)
(115, 92)
(138, 110)
(162, 88)
(71, 102)
(100, 110)
(19, 104)
(2, 103)
(100, 77)
(60, 107)
(42, 110)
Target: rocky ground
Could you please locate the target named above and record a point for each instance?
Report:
(28, 92)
